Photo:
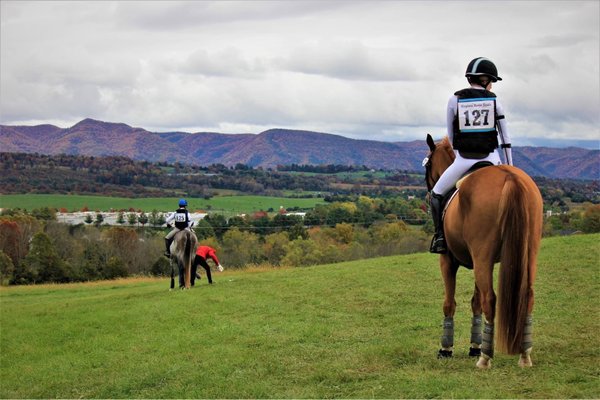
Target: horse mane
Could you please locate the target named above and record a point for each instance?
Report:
(447, 147)
(446, 154)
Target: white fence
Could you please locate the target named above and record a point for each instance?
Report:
(110, 218)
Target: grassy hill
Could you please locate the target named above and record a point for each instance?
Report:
(352, 330)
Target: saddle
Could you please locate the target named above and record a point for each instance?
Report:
(454, 191)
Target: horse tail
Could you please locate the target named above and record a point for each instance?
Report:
(514, 222)
(187, 256)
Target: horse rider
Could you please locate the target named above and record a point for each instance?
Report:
(474, 122)
(203, 253)
(182, 221)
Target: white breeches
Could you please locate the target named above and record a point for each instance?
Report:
(457, 169)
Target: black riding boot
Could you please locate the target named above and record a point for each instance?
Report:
(168, 247)
(438, 243)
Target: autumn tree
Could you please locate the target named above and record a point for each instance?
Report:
(591, 219)
(99, 219)
(43, 261)
(132, 218)
(93, 261)
(115, 268)
(156, 218)
(301, 253)
(44, 213)
(7, 268)
(203, 230)
(123, 243)
(218, 223)
(16, 232)
(240, 248)
(143, 218)
(274, 247)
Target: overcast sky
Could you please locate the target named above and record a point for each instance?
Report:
(361, 69)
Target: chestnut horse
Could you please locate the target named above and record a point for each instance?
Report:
(496, 216)
(183, 250)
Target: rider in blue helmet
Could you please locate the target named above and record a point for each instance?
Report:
(182, 221)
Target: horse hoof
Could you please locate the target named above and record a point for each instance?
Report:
(484, 363)
(525, 362)
(473, 352)
(444, 353)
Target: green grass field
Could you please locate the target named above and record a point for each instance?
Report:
(364, 329)
(220, 204)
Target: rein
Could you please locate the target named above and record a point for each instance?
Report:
(427, 164)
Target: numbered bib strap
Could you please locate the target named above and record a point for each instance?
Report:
(477, 115)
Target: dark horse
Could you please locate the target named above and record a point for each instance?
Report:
(496, 216)
(183, 250)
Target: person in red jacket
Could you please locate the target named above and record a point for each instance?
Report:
(202, 254)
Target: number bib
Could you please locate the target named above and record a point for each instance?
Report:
(180, 217)
(477, 115)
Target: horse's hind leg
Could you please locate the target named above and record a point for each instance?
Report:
(449, 269)
(527, 345)
(476, 322)
(527, 342)
(484, 281)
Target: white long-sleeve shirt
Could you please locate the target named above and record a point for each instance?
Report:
(171, 218)
(503, 133)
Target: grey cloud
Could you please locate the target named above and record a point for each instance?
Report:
(51, 102)
(350, 60)
(69, 70)
(355, 67)
(175, 15)
(228, 62)
(535, 65)
(550, 41)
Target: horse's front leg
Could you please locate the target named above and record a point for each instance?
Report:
(476, 324)
(448, 269)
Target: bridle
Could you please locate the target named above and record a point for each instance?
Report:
(427, 164)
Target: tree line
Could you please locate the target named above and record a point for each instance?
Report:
(123, 177)
(35, 248)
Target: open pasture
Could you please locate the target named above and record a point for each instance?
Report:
(218, 204)
(363, 329)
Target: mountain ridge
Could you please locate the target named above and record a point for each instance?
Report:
(267, 149)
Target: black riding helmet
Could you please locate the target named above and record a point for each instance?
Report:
(482, 66)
